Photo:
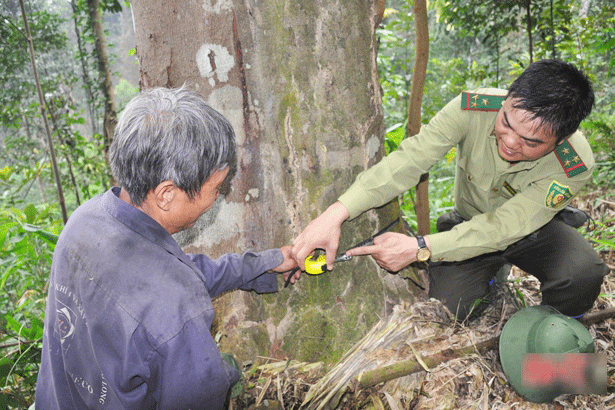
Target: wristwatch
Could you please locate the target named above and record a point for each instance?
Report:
(423, 254)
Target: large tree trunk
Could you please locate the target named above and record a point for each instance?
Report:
(299, 83)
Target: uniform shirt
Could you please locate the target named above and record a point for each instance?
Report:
(501, 202)
(129, 314)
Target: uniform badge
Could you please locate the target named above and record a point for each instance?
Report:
(481, 102)
(570, 160)
(557, 194)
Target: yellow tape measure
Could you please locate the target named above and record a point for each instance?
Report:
(316, 266)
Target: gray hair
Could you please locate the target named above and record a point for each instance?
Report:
(169, 134)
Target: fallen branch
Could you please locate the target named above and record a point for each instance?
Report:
(599, 316)
(396, 370)
(400, 369)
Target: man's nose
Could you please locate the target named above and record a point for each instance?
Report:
(511, 140)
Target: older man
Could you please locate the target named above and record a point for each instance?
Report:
(128, 313)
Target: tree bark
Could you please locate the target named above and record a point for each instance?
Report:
(100, 42)
(528, 10)
(414, 108)
(85, 76)
(299, 83)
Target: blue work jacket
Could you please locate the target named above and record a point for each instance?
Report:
(128, 315)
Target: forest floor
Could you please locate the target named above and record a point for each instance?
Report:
(426, 328)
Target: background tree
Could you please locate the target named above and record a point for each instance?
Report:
(300, 85)
(41, 98)
(104, 70)
(414, 108)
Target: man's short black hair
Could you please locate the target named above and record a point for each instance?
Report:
(557, 93)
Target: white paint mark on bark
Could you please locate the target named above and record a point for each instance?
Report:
(220, 223)
(228, 100)
(372, 146)
(223, 226)
(252, 194)
(222, 60)
(216, 6)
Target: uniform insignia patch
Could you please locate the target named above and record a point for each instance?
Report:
(570, 160)
(557, 194)
(481, 102)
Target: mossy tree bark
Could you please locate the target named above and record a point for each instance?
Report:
(298, 81)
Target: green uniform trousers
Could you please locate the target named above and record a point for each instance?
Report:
(569, 270)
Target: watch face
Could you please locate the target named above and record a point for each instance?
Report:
(423, 254)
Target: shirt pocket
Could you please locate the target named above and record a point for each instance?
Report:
(475, 174)
(473, 186)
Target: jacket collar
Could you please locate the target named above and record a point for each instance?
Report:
(141, 223)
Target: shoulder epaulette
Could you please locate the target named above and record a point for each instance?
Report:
(481, 102)
(570, 160)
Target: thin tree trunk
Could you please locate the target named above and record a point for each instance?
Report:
(54, 162)
(414, 108)
(53, 116)
(87, 82)
(110, 118)
(553, 54)
(39, 181)
(528, 6)
(73, 179)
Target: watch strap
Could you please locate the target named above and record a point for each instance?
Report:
(421, 241)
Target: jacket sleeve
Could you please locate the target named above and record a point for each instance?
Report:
(246, 271)
(401, 170)
(518, 217)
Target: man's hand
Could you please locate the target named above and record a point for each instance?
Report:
(392, 251)
(322, 233)
(289, 262)
(288, 265)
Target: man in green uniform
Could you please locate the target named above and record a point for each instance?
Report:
(520, 161)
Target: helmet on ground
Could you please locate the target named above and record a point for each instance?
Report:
(539, 329)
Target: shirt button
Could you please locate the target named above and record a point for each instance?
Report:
(495, 189)
(469, 177)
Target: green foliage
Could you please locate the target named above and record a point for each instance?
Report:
(30, 219)
(27, 240)
(124, 92)
(18, 92)
(485, 44)
(601, 133)
(82, 167)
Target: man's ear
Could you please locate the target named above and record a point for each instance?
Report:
(164, 194)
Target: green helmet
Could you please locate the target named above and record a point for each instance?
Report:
(539, 329)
